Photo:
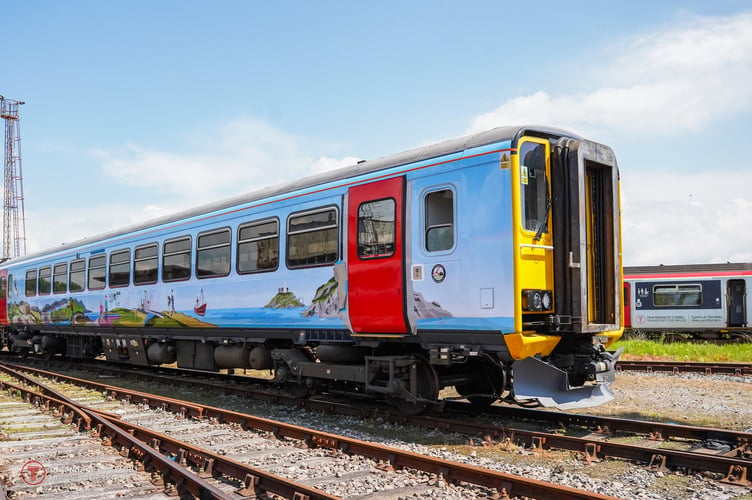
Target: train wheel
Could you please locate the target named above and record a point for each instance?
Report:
(487, 387)
(298, 389)
(21, 352)
(427, 391)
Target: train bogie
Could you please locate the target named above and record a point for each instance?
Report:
(460, 264)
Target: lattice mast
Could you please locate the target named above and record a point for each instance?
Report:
(14, 220)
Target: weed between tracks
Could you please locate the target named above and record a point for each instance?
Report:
(653, 350)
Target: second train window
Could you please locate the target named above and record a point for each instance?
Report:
(312, 238)
(120, 268)
(258, 247)
(176, 259)
(213, 254)
(145, 261)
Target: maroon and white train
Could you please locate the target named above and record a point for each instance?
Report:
(708, 300)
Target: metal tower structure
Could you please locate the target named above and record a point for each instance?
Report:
(14, 221)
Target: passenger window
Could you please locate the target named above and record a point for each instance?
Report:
(45, 273)
(77, 277)
(120, 268)
(176, 259)
(97, 272)
(145, 262)
(213, 254)
(376, 227)
(31, 283)
(312, 238)
(534, 187)
(258, 247)
(439, 227)
(60, 278)
(677, 295)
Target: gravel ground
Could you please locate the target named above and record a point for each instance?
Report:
(717, 401)
(689, 399)
(693, 399)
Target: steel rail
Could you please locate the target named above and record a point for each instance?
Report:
(451, 471)
(148, 446)
(657, 431)
(83, 422)
(676, 367)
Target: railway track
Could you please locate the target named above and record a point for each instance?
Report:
(676, 367)
(210, 464)
(662, 446)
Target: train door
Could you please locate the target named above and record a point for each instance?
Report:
(627, 305)
(736, 299)
(587, 246)
(3, 297)
(375, 268)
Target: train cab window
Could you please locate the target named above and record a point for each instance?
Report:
(60, 278)
(213, 254)
(77, 276)
(534, 192)
(97, 272)
(258, 247)
(176, 259)
(677, 295)
(120, 268)
(31, 283)
(145, 262)
(439, 229)
(45, 282)
(312, 238)
(3, 286)
(376, 228)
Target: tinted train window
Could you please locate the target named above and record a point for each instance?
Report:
(120, 268)
(3, 286)
(77, 277)
(31, 283)
(145, 262)
(534, 187)
(376, 227)
(213, 254)
(60, 278)
(439, 220)
(45, 273)
(312, 238)
(677, 295)
(97, 272)
(176, 260)
(258, 247)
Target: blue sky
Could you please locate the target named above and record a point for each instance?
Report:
(139, 109)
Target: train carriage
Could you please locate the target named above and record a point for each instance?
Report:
(490, 263)
(705, 300)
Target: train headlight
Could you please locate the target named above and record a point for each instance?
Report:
(537, 300)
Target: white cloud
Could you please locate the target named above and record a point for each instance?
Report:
(688, 218)
(662, 82)
(68, 224)
(676, 79)
(243, 156)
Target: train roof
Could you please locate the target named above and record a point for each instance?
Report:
(449, 146)
(689, 268)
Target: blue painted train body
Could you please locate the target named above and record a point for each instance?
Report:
(396, 276)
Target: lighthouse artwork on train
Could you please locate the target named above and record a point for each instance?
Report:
(489, 263)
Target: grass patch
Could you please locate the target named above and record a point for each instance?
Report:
(639, 349)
